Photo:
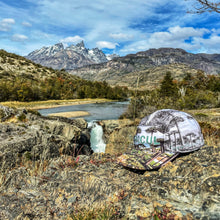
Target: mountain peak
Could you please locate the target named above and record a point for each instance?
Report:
(80, 44)
(71, 57)
(59, 45)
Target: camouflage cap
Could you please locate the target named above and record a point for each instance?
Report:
(160, 137)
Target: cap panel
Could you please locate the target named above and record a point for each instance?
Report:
(147, 136)
(152, 128)
(184, 133)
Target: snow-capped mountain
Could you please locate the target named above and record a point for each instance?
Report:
(111, 56)
(46, 51)
(68, 58)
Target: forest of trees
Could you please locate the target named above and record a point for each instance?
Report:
(24, 80)
(192, 92)
(60, 87)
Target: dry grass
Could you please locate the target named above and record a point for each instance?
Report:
(108, 212)
(52, 103)
(71, 114)
(212, 141)
(212, 112)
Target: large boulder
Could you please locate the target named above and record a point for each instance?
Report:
(28, 136)
(6, 112)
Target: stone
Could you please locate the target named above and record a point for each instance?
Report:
(6, 112)
(38, 137)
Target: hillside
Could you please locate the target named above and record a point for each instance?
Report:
(13, 66)
(23, 80)
(149, 78)
(150, 66)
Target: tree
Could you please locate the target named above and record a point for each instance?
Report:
(167, 86)
(202, 6)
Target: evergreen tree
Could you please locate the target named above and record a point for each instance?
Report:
(168, 87)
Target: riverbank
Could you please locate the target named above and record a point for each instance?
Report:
(70, 114)
(37, 105)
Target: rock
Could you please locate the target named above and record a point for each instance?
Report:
(82, 144)
(180, 190)
(6, 112)
(119, 135)
(33, 137)
(96, 180)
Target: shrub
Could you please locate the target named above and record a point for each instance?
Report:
(194, 93)
(102, 213)
(34, 112)
(28, 155)
(22, 117)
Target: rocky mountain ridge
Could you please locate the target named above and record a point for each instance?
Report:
(68, 58)
(149, 66)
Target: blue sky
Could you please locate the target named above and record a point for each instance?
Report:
(115, 26)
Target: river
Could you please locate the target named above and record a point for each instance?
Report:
(98, 111)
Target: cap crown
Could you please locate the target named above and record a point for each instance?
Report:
(172, 130)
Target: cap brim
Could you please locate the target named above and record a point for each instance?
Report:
(145, 160)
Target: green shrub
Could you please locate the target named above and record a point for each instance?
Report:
(2, 114)
(34, 112)
(28, 155)
(22, 117)
(102, 213)
(194, 93)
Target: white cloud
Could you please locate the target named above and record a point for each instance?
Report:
(136, 26)
(19, 37)
(74, 39)
(8, 20)
(5, 24)
(209, 45)
(187, 38)
(178, 32)
(215, 31)
(121, 36)
(26, 24)
(96, 21)
(106, 44)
